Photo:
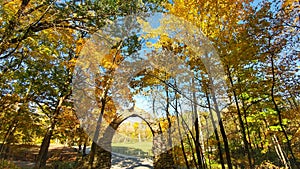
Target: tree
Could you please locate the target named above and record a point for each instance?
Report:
(29, 43)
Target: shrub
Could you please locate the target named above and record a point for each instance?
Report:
(5, 164)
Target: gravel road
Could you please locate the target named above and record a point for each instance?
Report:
(128, 162)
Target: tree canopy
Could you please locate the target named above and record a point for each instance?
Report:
(223, 78)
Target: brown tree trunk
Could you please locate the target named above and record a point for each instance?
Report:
(7, 141)
(98, 128)
(216, 133)
(169, 137)
(10, 132)
(246, 144)
(280, 115)
(180, 134)
(189, 133)
(280, 153)
(221, 125)
(103, 150)
(199, 151)
(43, 153)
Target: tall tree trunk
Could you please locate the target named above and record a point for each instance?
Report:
(199, 152)
(280, 115)
(102, 100)
(84, 147)
(168, 117)
(261, 146)
(6, 141)
(192, 150)
(280, 153)
(248, 132)
(179, 131)
(98, 127)
(221, 125)
(12, 127)
(246, 144)
(188, 134)
(208, 148)
(43, 153)
(215, 132)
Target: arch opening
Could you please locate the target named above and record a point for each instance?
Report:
(133, 137)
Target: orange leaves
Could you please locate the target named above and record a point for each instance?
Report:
(79, 45)
(110, 110)
(112, 59)
(289, 4)
(67, 120)
(71, 63)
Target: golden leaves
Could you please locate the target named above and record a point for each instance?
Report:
(11, 6)
(112, 59)
(79, 45)
(71, 63)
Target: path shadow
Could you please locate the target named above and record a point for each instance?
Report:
(130, 151)
(129, 162)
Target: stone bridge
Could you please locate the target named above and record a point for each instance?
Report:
(162, 153)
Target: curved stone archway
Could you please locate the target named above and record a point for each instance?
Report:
(162, 156)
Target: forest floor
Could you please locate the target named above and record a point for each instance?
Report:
(25, 156)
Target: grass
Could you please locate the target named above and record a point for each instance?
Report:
(140, 149)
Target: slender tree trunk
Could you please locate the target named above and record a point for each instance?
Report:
(260, 139)
(280, 115)
(84, 147)
(43, 153)
(208, 148)
(280, 153)
(6, 141)
(179, 131)
(189, 132)
(246, 144)
(221, 125)
(102, 101)
(98, 127)
(249, 139)
(182, 148)
(168, 116)
(5, 148)
(192, 150)
(265, 135)
(215, 132)
(11, 129)
(199, 152)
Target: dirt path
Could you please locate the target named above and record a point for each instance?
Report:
(120, 161)
(24, 164)
(25, 159)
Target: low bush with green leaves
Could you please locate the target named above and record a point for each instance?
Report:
(5, 164)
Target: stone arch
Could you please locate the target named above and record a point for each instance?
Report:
(149, 123)
(162, 159)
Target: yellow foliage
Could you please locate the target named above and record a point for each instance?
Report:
(112, 59)
(79, 45)
(11, 6)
